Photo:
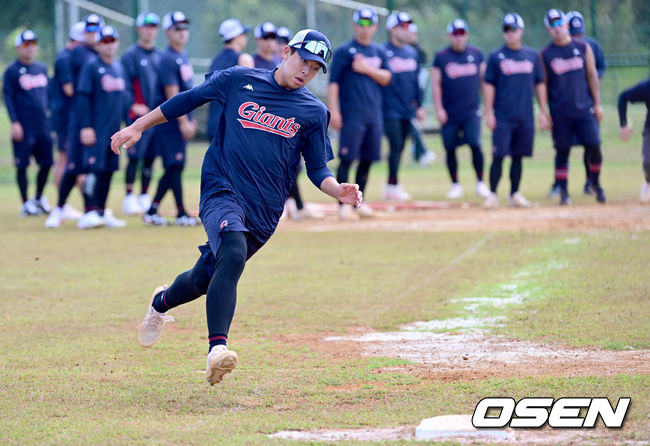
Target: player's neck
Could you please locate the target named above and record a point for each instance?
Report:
(265, 55)
(363, 42)
(178, 47)
(145, 45)
(514, 46)
(396, 43)
(563, 41)
(108, 60)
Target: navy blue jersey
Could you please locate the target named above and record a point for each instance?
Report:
(225, 59)
(599, 56)
(639, 93)
(266, 64)
(59, 102)
(25, 90)
(78, 57)
(461, 79)
(359, 95)
(175, 69)
(566, 74)
(141, 71)
(402, 96)
(263, 129)
(514, 74)
(102, 88)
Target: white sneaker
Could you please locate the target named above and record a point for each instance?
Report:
(491, 202)
(455, 192)
(154, 220)
(346, 213)
(220, 361)
(365, 211)
(517, 200)
(395, 192)
(42, 205)
(152, 325)
(186, 220)
(427, 158)
(644, 194)
(55, 218)
(291, 208)
(110, 221)
(309, 213)
(90, 220)
(131, 206)
(144, 201)
(70, 213)
(482, 190)
(29, 209)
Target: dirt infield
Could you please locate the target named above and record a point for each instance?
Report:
(441, 216)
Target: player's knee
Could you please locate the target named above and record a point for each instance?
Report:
(232, 251)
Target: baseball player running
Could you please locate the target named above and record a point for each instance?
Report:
(269, 120)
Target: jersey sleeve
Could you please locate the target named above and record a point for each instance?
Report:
(538, 69)
(84, 93)
(384, 59)
(337, 66)
(437, 61)
(492, 70)
(63, 71)
(318, 148)
(8, 90)
(639, 93)
(168, 72)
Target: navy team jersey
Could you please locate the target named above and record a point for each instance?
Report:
(266, 64)
(225, 59)
(402, 96)
(360, 96)
(25, 90)
(599, 56)
(461, 74)
(102, 99)
(514, 74)
(78, 57)
(639, 93)
(566, 74)
(263, 130)
(59, 102)
(141, 72)
(175, 69)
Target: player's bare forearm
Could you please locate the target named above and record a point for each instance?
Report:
(381, 76)
(344, 192)
(130, 135)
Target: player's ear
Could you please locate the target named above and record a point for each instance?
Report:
(286, 52)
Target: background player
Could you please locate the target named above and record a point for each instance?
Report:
(266, 39)
(246, 175)
(25, 90)
(638, 93)
(101, 87)
(402, 99)
(175, 76)
(455, 81)
(513, 74)
(141, 62)
(234, 37)
(359, 70)
(574, 101)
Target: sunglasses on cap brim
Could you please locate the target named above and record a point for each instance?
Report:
(365, 22)
(180, 26)
(509, 28)
(108, 40)
(315, 47)
(28, 43)
(458, 32)
(554, 23)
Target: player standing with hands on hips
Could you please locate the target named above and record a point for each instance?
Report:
(268, 121)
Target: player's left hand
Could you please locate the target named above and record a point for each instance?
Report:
(350, 194)
(626, 132)
(126, 138)
(420, 114)
(598, 111)
(545, 122)
(360, 64)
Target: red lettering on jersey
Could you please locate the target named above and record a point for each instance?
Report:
(187, 72)
(455, 70)
(29, 81)
(401, 65)
(110, 83)
(253, 117)
(510, 67)
(561, 66)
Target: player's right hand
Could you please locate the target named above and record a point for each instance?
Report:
(17, 133)
(127, 137)
(626, 133)
(442, 116)
(87, 136)
(491, 121)
(336, 121)
(350, 194)
(187, 129)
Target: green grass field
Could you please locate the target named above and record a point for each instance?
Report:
(71, 301)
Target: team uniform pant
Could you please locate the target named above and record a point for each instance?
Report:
(514, 139)
(645, 152)
(143, 152)
(360, 140)
(38, 146)
(172, 148)
(458, 133)
(396, 131)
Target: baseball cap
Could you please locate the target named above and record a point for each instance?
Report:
(365, 17)
(457, 25)
(513, 20)
(398, 18)
(231, 28)
(93, 23)
(266, 29)
(107, 32)
(576, 23)
(284, 34)
(553, 18)
(176, 19)
(77, 31)
(25, 36)
(312, 45)
(147, 19)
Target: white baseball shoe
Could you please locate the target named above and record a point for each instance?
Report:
(186, 220)
(153, 323)
(309, 213)
(144, 200)
(455, 192)
(131, 206)
(518, 201)
(346, 213)
(90, 220)
(395, 192)
(70, 213)
(42, 205)
(291, 209)
(220, 361)
(154, 220)
(110, 221)
(427, 158)
(55, 218)
(365, 211)
(29, 209)
(482, 190)
(644, 193)
(491, 202)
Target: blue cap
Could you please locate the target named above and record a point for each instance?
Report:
(176, 19)
(231, 28)
(147, 19)
(312, 45)
(456, 25)
(576, 23)
(108, 31)
(365, 13)
(398, 18)
(266, 29)
(93, 23)
(284, 34)
(553, 16)
(26, 36)
(514, 20)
